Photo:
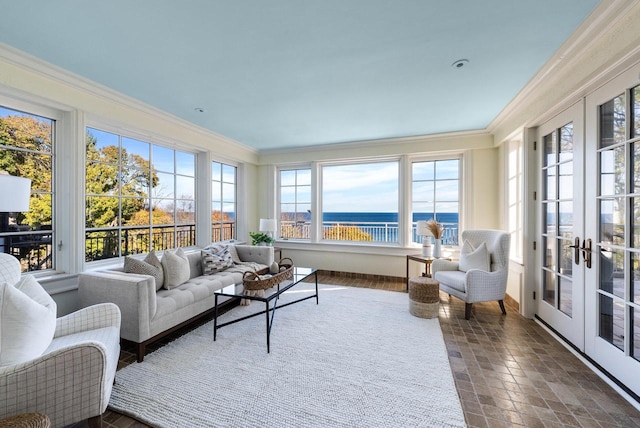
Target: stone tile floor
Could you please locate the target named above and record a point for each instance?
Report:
(508, 370)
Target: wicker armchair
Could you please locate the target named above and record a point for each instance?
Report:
(476, 285)
(72, 380)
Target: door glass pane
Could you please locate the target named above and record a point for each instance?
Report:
(612, 321)
(549, 183)
(549, 213)
(606, 271)
(566, 296)
(565, 219)
(612, 172)
(635, 277)
(549, 149)
(549, 287)
(566, 257)
(612, 272)
(635, 222)
(635, 167)
(612, 121)
(612, 221)
(550, 254)
(566, 143)
(635, 105)
(635, 352)
(618, 273)
(565, 180)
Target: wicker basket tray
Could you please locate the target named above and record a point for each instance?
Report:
(252, 280)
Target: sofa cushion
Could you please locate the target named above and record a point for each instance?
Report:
(474, 258)
(176, 268)
(452, 278)
(27, 321)
(149, 266)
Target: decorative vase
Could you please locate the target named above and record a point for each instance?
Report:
(437, 248)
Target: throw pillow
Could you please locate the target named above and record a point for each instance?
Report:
(474, 258)
(176, 268)
(27, 321)
(149, 266)
(234, 253)
(213, 261)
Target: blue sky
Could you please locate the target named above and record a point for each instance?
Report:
(371, 187)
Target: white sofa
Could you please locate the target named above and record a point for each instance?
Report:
(147, 314)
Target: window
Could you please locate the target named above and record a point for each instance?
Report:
(223, 202)
(360, 202)
(295, 204)
(27, 150)
(515, 176)
(436, 194)
(139, 196)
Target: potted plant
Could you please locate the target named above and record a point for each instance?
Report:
(261, 238)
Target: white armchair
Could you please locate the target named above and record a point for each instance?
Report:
(476, 285)
(72, 379)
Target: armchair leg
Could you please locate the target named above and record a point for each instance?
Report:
(501, 303)
(467, 311)
(95, 422)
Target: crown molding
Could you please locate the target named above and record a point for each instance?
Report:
(604, 18)
(396, 142)
(46, 70)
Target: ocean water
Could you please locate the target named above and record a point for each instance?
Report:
(371, 217)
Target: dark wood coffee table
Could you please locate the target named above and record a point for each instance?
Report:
(299, 275)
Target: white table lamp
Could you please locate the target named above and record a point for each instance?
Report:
(15, 193)
(268, 225)
(423, 230)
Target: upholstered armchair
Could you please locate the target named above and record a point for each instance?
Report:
(481, 274)
(63, 368)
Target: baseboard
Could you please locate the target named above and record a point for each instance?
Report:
(511, 302)
(368, 276)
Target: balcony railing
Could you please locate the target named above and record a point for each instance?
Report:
(361, 231)
(33, 249)
(107, 243)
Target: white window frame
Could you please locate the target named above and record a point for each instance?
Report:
(151, 140)
(62, 257)
(404, 195)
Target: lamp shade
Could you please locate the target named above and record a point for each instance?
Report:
(15, 193)
(422, 228)
(267, 225)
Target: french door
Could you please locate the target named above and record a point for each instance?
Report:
(589, 228)
(561, 229)
(612, 216)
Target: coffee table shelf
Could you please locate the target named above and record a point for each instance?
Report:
(300, 274)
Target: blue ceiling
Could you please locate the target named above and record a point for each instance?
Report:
(291, 73)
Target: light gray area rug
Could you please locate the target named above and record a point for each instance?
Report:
(358, 359)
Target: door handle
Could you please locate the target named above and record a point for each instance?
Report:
(586, 252)
(576, 248)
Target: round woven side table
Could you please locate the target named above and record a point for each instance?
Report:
(424, 297)
(26, 420)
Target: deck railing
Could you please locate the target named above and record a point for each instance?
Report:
(361, 231)
(107, 243)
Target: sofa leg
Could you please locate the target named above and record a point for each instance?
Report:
(501, 303)
(95, 422)
(140, 348)
(467, 311)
